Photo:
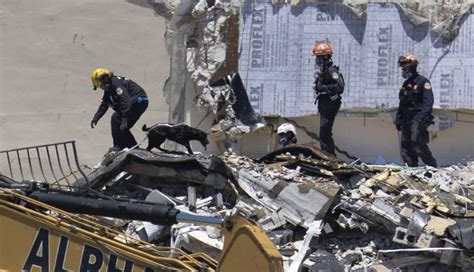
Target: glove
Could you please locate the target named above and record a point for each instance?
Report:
(93, 123)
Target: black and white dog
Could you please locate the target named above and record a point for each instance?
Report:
(181, 133)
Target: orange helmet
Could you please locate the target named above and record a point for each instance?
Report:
(407, 60)
(322, 49)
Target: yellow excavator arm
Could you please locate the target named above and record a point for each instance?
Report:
(40, 237)
(248, 248)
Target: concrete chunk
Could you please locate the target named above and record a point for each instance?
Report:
(298, 207)
(423, 241)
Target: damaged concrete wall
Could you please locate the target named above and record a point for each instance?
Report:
(202, 40)
(371, 134)
(278, 67)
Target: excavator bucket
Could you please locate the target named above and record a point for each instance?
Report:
(248, 248)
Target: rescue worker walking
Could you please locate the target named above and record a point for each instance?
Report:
(414, 113)
(127, 99)
(329, 85)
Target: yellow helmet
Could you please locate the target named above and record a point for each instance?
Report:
(97, 76)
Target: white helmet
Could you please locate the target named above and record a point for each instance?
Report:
(286, 127)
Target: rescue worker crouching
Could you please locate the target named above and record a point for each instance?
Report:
(414, 113)
(329, 86)
(127, 99)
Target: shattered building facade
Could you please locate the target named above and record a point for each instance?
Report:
(271, 52)
(242, 82)
(322, 213)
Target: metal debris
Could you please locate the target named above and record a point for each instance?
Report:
(368, 217)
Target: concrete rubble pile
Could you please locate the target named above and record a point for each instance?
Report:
(320, 212)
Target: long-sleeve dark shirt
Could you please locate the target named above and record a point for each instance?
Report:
(120, 94)
(416, 99)
(329, 83)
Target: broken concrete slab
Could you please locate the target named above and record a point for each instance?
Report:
(438, 225)
(385, 210)
(298, 208)
(376, 179)
(377, 218)
(199, 241)
(204, 170)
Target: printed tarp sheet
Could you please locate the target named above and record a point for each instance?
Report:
(278, 69)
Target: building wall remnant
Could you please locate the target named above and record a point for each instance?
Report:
(277, 65)
(365, 129)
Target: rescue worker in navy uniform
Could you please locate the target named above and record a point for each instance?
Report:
(414, 113)
(329, 85)
(127, 99)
